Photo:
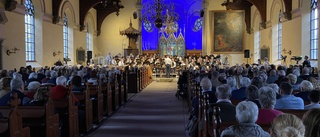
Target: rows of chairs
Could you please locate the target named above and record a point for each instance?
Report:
(209, 118)
(60, 117)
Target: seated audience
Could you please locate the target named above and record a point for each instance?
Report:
(315, 83)
(60, 91)
(39, 98)
(53, 77)
(32, 77)
(256, 81)
(223, 93)
(231, 81)
(93, 78)
(267, 99)
(241, 92)
(32, 89)
(305, 74)
(206, 89)
(293, 80)
(287, 100)
(247, 115)
(305, 88)
(311, 119)
(3, 73)
(47, 74)
(314, 97)
(273, 77)
(275, 88)
(287, 125)
(4, 86)
(252, 94)
(17, 86)
(76, 82)
(215, 80)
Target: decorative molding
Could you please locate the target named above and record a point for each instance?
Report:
(296, 13)
(10, 5)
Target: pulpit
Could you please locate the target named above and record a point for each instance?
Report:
(132, 35)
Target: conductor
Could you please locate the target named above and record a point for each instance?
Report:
(168, 63)
(306, 62)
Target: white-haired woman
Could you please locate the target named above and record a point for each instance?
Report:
(305, 88)
(267, 99)
(287, 125)
(247, 115)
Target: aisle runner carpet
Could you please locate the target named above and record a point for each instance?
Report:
(154, 112)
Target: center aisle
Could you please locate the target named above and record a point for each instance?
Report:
(154, 112)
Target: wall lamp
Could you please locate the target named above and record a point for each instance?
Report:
(56, 53)
(14, 50)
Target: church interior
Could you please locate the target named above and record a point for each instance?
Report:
(93, 27)
(107, 41)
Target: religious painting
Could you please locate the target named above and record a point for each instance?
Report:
(227, 31)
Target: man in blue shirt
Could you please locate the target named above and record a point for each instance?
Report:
(287, 100)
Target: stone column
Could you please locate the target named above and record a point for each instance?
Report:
(205, 23)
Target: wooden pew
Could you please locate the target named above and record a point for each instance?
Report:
(68, 113)
(86, 106)
(125, 76)
(97, 101)
(11, 123)
(106, 95)
(120, 89)
(298, 113)
(38, 118)
(115, 93)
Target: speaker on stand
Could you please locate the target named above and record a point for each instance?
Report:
(89, 56)
(135, 15)
(201, 13)
(246, 53)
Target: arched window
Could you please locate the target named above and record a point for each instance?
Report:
(280, 36)
(88, 39)
(29, 31)
(65, 36)
(314, 30)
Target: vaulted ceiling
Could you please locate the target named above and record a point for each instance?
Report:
(106, 7)
(103, 7)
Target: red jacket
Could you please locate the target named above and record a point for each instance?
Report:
(61, 92)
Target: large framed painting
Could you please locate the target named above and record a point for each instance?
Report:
(227, 31)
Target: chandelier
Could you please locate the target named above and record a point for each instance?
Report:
(159, 13)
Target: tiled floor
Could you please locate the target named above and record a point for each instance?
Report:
(154, 112)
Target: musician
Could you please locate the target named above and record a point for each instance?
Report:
(306, 62)
(173, 65)
(168, 63)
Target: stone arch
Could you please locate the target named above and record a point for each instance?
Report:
(90, 20)
(69, 10)
(274, 4)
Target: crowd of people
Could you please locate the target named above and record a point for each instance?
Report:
(263, 90)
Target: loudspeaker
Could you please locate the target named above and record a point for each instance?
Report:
(135, 16)
(89, 55)
(201, 13)
(246, 53)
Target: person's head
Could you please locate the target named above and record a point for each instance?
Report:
(17, 75)
(40, 95)
(33, 75)
(53, 74)
(93, 74)
(314, 96)
(267, 97)
(305, 71)
(311, 120)
(5, 83)
(47, 73)
(273, 72)
(61, 81)
(281, 73)
(296, 72)
(263, 77)
(257, 82)
(231, 81)
(286, 124)
(306, 57)
(34, 86)
(223, 91)
(3, 73)
(306, 85)
(17, 84)
(76, 80)
(206, 84)
(252, 92)
(286, 88)
(245, 82)
(247, 112)
(275, 87)
(214, 75)
(292, 79)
